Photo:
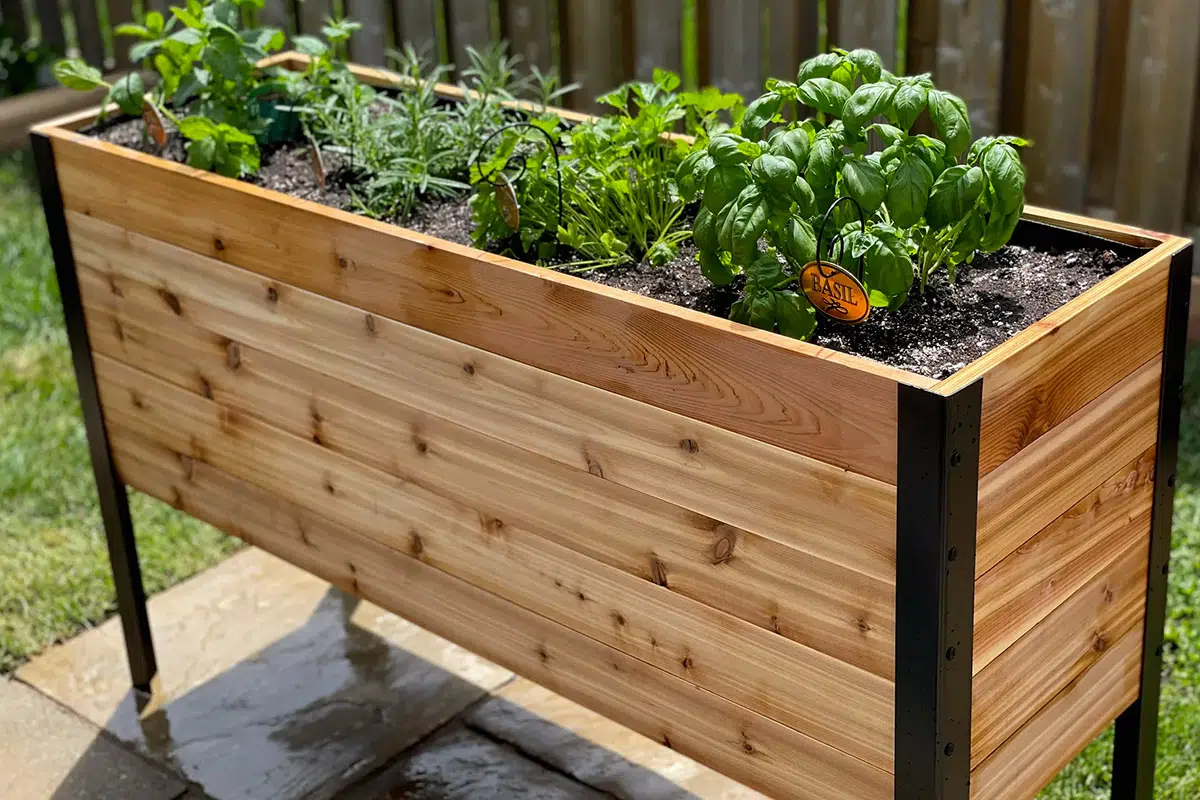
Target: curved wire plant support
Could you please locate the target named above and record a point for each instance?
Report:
(519, 160)
(838, 238)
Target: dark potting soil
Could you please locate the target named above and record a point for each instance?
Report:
(936, 332)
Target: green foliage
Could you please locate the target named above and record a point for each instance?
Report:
(766, 182)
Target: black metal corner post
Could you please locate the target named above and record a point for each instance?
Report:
(1137, 727)
(937, 489)
(114, 502)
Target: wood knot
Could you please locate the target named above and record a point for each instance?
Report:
(689, 446)
(171, 300)
(451, 293)
(686, 662)
(188, 464)
(1108, 596)
(420, 445)
(863, 626)
(369, 322)
(415, 546)
(658, 571)
(137, 400)
(619, 619)
(582, 597)
(666, 742)
(218, 245)
(328, 484)
(233, 355)
(469, 368)
(205, 387)
(1099, 644)
(343, 262)
(747, 748)
(594, 467)
(120, 331)
(542, 654)
(493, 526)
(114, 288)
(775, 624)
(176, 498)
(272, 294)
(723, 547)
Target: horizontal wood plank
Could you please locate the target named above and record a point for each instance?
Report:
(836, 408)
(1036, 487)
(1058, 650)
(1038, 576)
(739, 743)
(817, 603)
(849, 519)
(763, 672)
(1058, 365)
(1034, 755)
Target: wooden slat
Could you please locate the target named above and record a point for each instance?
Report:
(1038, 576)
(657, 35)
(838, 409)
(1049, 371)
(468, 24)
(739, 743)
(416, 23)
(1036, 487)
(120, 12)
(1106, 107)
(87, 32)
(312, 14)
(793, 36)
(368, 45)
(1163, 66)
(1027, 761)
(50, 18)
(594, 48)
(277, 14)
(806, 599)
(864, 23)
(526, 25)
(734, 46)
(12, 14)
(1059, 650)
(1058, 101)
(754, 668)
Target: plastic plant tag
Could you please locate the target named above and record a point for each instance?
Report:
(155, 126)
(506, 199)
(835, 293)
(318, 163)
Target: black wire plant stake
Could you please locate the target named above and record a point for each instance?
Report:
(506, 195)
(834, 291)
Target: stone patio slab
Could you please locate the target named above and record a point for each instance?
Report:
(50, 753)
(273, 684)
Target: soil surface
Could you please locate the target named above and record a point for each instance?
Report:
(934, 334)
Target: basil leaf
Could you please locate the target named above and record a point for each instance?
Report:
(749, 224)
(725, 151)
(722, 185)
(197, 128)
(724, 222)
(969, 238)
(794, 315)
(793, 144)
(759, 114)
(74, 74)
(129, 93)
(908, 190)
(798, 242)
(775, 172)
(890, 134)
(1002, 165)
(686, 177)
(864, 182)
(999, 230)
(762, 310)
(908, 103)
(704, 230)
(202, 152)
(714, 269)
(821, 174)
(819, 66)
(310, 46)
(868, 64)
(802, 193)
(765, 272)
(949, 114)
(888, 268)
(954, 195)
(869, 100)
(825, 95)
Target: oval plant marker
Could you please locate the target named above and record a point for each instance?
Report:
(835, 293)
(318, 163)
(506, 199)
(155, 126)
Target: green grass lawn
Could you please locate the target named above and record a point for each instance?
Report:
(54, 577)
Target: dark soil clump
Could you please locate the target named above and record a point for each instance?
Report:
(934, 334)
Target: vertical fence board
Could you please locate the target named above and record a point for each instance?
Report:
(594, 48)
(50, 16)
(864, 23)
(87, 31)
(312, 14)
(277, 14)
(1160, 83)
(120, 12)
(793, 36)
(1194, 215)
(468, 24)
(416, 23)
(526, 25)
(1106, 108)
(12, 13)
(657, 32)
(369, 44)
(735, 46)
(1058, 101)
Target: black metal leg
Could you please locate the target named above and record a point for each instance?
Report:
(1137, 727)
(114, 503)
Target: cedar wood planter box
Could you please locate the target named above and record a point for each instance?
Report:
(821, 576)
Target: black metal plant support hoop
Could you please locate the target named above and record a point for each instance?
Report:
(518, 159)
(838, 238)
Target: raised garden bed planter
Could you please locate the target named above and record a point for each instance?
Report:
(821, 576)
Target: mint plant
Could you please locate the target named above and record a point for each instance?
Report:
(765, 181)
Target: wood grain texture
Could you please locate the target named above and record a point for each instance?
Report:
(594, 47)
(807, 599)
(50, 18)
(369, 45)
(962, 44)
(1058, 101)
(12, 14)
(1059, 650)
(1106, 109)
(1036, 487)
(416, 23)
(754, 668)
(526, 24)
(468, 24)
(864, 23)
(87, 31)
(119, 13)
(1044, 375)
(835, 408)
(1034, 755)
(734, 47)
(1162, 69)
(737, 742)
(657, 37)
(312, 15)
(1041, 574)
(793, 35)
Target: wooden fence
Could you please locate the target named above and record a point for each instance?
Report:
(1108, 89)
